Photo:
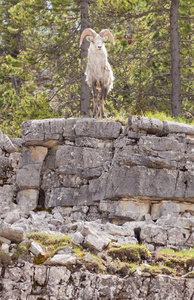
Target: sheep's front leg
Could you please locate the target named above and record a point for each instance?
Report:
(95, 100)
(102, 98)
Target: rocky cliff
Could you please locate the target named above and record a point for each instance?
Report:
(100, 183)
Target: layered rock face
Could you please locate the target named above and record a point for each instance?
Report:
(128, 172)
(51, 283)
(102, 182)
(9, 158)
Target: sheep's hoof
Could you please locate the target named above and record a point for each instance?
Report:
(104, 117)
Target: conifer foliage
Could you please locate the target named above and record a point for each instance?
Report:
(42, 65)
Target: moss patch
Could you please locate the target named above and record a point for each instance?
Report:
(51, 244)
(181, 261)
(40, 259)
(156, 270)
(122, 268)
(117, 259)
(96, 265)
(49, 210)
(129, 253)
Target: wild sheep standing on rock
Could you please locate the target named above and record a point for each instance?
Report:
(99, 74)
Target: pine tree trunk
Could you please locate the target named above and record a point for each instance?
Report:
(175, 60)
(85, 91)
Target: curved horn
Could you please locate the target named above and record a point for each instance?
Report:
(87, 31)
(106, 32)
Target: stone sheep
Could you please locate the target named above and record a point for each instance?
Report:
(99, 74)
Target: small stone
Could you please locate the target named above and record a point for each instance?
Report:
(11, 232)
(66, 250)
(77, 238)
(4, 240)
(40, 275)
(6, 144)
(36, 249)
(28, 198)
(62, 260)
(114, 229)
(124, 240)
(58, 216)
(96, 243)
(85, 209)
(12, 217)
(88, 257)
(169, 208)
(4, 247)
(138, 272)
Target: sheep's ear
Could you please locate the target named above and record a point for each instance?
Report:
(105, 38)
(89, 39)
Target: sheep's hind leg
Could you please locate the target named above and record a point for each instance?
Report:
(95, 108)
(102, 98)
(95, 100)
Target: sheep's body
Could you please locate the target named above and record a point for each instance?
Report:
(99, 74)
(98, 69)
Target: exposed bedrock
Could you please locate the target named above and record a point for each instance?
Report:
(101, 184)
(83, 161)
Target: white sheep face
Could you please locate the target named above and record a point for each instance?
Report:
(97, 42)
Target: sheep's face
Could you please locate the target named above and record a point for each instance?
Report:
(97, 42)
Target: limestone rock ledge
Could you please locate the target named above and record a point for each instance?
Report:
(123, 170)
(139, 177)
(28, 282)
(83, 169)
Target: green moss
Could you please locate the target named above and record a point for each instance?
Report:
(129, 253)
(47, 239)
(176, 259)
(96, 265)
(117, 259)
(23, 252)
(172, 253)
(156, 270)
(49, 210)
(128, 258)
(123, 268)
(99, 263)
(51, 244)
(79, 252)
(40, 259)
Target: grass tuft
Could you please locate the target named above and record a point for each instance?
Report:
(129, 253)
(163, 117)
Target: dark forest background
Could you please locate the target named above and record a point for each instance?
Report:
(42, 65)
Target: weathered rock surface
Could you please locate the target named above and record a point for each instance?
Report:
(101, 183)
(101, 170)
(57, 283)
(61, 260)
(83, 161)
(6, 144)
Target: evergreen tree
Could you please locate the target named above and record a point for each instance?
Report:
(41, 61)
